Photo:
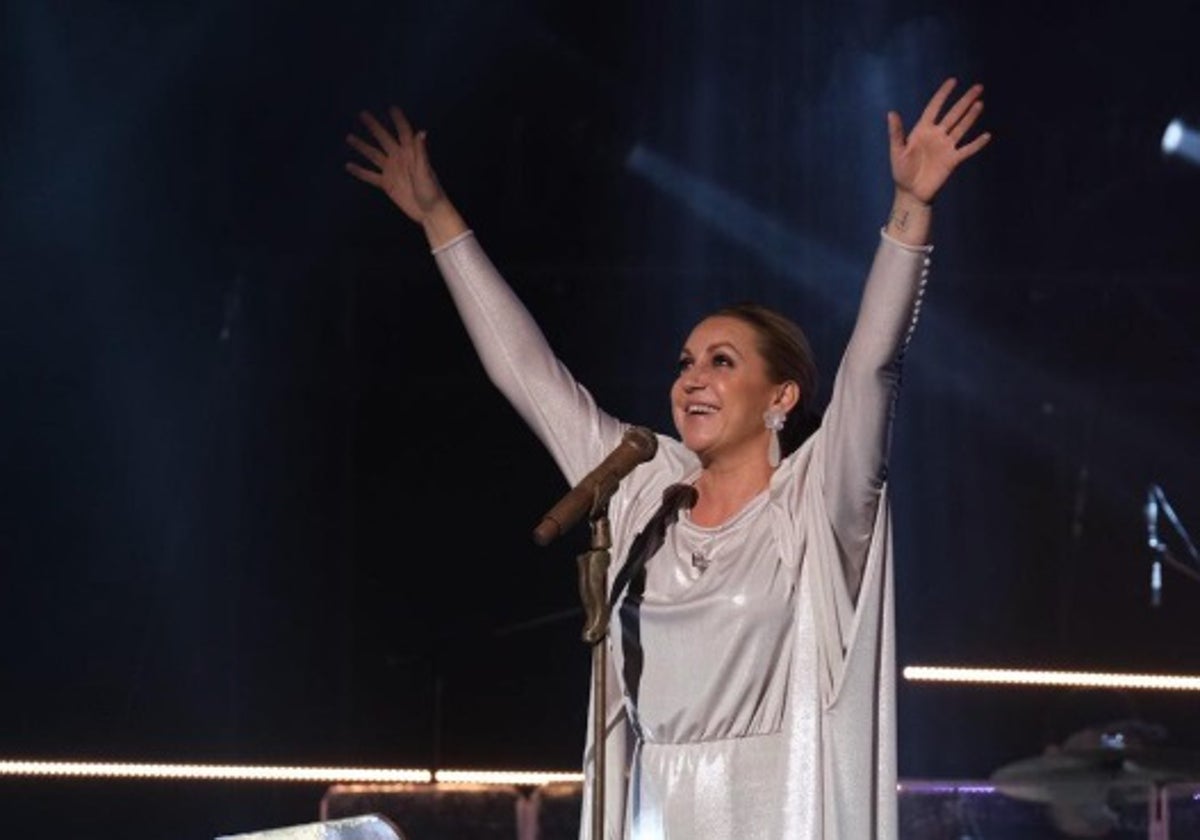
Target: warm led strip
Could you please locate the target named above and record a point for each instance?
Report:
(1073, 679)
(228, 772)
(504, 777)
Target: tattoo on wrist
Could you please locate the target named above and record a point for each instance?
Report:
(898, 219)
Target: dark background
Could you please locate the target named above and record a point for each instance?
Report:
(261, 505)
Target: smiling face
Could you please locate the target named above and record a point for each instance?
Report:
(723, 389)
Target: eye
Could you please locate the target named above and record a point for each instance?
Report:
(684, 363)
(722, 360)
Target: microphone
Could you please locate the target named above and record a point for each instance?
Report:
(1155, 546)
(637, 446)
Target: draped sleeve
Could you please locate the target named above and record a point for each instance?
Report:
(836, 490)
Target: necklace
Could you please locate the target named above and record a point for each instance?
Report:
(702, 544)
(702, 553)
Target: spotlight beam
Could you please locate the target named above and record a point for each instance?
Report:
(1181, 140)
(825, 273)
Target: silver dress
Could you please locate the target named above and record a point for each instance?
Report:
(751, 687)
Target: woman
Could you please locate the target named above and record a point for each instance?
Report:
(751, 684)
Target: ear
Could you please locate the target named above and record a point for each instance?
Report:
(787, 396)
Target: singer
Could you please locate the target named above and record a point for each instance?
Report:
(752, 681)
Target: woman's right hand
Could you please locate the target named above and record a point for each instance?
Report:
(403, 172)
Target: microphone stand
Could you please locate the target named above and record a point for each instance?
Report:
(1177, 564)
(1158, 498)
(593, 589)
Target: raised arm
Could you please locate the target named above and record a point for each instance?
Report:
(923, 160)
(859, 418)
(511, 346)
(403, 172)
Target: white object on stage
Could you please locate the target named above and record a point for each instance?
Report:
(365, 827)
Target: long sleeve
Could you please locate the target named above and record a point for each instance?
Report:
(847, 578)
(521, 364)
(858, 423)
(562, 413)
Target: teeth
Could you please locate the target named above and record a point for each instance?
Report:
(701, 409)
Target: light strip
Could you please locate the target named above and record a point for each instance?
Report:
(219, 772)
(227, 772)
(1074, 679)
(934, 787)
(504, 777)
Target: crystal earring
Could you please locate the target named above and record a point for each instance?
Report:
(774, 420)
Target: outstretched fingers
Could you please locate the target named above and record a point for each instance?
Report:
(962, 115)
(974, 146)
(960, 129)
(385, 140)
(363, 174)
(895, 127)
(934, 108)
(403, 127)
(365, 149)
(421, 152)
(400, 147)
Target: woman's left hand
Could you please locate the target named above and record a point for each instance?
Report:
(923, 160)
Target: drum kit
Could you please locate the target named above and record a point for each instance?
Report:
(1098, 774)
(1102, 772)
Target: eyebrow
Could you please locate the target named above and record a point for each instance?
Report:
(712, 348)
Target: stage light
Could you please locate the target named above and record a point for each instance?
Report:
(210, 772)
(504, 777)
(1181, 140)
(1069, 679)
(260, 773)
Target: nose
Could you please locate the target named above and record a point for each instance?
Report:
(692, 379)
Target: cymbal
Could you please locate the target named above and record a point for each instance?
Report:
(1060, 774)
(1165, 766)
(1087, 782)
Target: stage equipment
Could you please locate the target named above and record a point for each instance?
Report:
(591, 497)
(1098, 774)
(1160, 552)
(364, 827)
(637, 446)
(1181, 140)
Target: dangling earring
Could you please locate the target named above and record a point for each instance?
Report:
(774, 420)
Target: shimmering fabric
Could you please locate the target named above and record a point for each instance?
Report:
(751, 685)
